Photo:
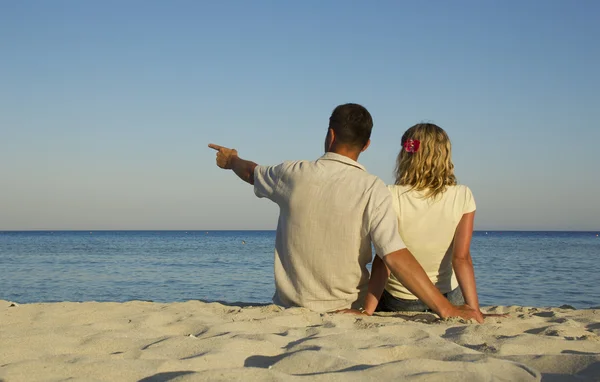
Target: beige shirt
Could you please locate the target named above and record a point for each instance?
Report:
(331, 210)
(427, 227)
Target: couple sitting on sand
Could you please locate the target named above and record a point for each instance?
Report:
(332, 210)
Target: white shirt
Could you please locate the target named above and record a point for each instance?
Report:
(427, 226)
(331, 210)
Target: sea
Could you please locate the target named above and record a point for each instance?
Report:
(543, 269)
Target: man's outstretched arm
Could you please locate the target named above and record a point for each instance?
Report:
(228, 159)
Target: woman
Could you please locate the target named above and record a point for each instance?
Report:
(435, 217)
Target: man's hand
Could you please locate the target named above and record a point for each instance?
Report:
(229, 160)
(465, 312)
(224, 156)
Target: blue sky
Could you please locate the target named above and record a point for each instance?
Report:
(106, 107)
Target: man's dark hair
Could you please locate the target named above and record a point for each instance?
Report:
(352, 124)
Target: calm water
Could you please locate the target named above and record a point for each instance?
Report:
(512, 268)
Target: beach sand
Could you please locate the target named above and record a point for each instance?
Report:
(189, 341)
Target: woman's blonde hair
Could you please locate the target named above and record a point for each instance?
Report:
(430, 166)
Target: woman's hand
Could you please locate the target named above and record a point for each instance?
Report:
(486, 315)
(353, 311)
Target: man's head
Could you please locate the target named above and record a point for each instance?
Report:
(349, 131)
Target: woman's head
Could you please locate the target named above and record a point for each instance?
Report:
(425, 160)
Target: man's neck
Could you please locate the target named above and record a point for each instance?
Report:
(345, 151)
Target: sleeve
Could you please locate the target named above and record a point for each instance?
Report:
(395, 201)
(266, 179)
(469, 201)
(384, 223)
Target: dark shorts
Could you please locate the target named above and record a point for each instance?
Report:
(389, 303)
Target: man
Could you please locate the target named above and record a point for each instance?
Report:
(331, 210)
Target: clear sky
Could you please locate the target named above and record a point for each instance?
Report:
(106, 107)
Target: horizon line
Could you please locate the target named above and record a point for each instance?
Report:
(256, 230)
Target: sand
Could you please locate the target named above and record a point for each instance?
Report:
(190, 341)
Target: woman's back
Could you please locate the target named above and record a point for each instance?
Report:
(427, 225)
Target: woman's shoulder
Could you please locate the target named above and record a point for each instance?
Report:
(398, 189)
(464, 196)
(460, 189)
(456, 192)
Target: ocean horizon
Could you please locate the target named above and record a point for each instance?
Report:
(531, 268)
(260, 230)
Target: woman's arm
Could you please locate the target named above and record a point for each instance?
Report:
(462, 261)
(379, 277)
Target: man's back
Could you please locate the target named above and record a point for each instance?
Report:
(327, 211)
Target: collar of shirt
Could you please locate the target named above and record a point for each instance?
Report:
(342, 159)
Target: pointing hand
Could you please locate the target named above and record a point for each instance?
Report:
(224, 156)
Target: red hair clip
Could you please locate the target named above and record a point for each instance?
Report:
(412, 145)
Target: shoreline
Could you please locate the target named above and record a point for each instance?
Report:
(243, 304)
(195, 340)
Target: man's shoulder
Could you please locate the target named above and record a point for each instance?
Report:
(291, 165)
(373, 182)
(297, 162)
(285, 165)
(377, 190)
(377, 182)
